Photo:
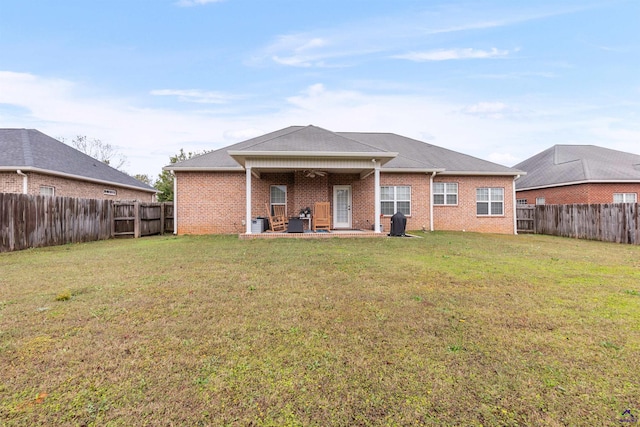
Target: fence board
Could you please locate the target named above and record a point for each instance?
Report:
(30, 221)
(610, 222)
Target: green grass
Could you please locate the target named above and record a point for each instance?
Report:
(450, 329)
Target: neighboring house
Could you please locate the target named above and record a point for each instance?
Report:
(367, 177)
(34, 163)
(565, 174)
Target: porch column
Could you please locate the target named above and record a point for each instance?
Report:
(248, 195)
(376, 197)
(431, 201)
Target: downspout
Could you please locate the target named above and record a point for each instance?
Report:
(175, 202)
(433, 174)
(515, 207)
(25, 181)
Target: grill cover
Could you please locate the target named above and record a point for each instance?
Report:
(398, 224)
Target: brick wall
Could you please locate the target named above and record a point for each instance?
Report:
(10, 182)
(214, 203)
(579, 193)
(66, 187)
(464, 217)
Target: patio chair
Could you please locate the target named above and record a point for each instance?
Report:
(277, 220)
(321, 216)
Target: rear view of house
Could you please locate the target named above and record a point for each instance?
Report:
(34, 163)
(565, 174)
(366, 178)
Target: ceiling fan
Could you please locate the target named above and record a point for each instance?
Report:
(313, 173)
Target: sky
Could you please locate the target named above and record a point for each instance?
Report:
(499, 80)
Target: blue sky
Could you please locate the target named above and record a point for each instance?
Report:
(499, 80)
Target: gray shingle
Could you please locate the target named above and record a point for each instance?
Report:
(412, 154)
(565, 164)
(29, 148)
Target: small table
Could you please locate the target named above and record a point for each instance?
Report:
(308, 219)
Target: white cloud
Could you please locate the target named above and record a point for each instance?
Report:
(195, 95)
(148, 136)
(452, 54)
(492, 110)
(189, 3)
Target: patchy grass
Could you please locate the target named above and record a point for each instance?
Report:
(451, 329)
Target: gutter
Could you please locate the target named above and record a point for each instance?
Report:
(175, 203)
(433, 174)
(79, 177)
(25, 181)
(515, 206)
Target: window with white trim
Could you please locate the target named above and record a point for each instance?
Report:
(540, 201)
(625, 198)
(278, 196)
(521, 202)
(395, 199)
(108, 192)
(47, 190)
(445, 193)
(489, 201)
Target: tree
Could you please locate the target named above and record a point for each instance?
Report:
(99, 150)
(164, 184)
(144, 178)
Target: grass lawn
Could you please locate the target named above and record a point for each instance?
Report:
(449, 329)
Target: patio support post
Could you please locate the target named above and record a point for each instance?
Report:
(515, 206)
(248, 195)
(376, 198)
(431, 201)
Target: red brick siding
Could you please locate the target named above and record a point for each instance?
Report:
(10, 182)
(67, 187)
(464, 217)
(214, 203)
(579, 193)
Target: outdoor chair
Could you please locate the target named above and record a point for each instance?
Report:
(321, 216)
(277, 220)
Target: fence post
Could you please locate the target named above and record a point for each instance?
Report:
(136, 220)
(161, 218)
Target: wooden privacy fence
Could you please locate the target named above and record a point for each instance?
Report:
(30, 221)
(137, 219)
(611, 222)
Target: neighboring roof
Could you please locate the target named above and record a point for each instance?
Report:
(403, 154)
(32, 151)
(576, 164)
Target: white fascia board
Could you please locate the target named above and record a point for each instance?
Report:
(203, 169)
(482, 173)
(411, 170)
(77, 177)
(591, 181)
(241, 156)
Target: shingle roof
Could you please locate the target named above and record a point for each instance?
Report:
(412, 154)
(30, 149)
(571, 164)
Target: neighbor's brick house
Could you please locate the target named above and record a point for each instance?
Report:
(566, 174)
(436, 188)
(34, 163)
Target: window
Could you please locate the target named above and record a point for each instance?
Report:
(521, 202)
(445, 193)
(109, 192)
(625, 198)
(395, 199)
(490, 201)
(278, 196)
(47, 190)
(540, 201)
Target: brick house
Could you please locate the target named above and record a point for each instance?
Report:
(34, 163)
(566, 174)
(366, 177)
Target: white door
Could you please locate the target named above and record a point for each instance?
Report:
(341, 206)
